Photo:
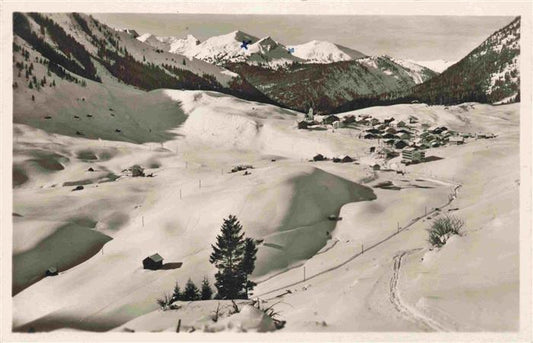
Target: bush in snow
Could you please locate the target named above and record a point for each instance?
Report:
(137, 170)
(164, 302)
(270, 312)
(443, 228)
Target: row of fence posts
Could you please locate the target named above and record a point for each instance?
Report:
(362, 245)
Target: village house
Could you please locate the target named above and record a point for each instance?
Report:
(330, 119)
(390, 136)
(457, 140)
(319, 157)
(370, 136)
(303, 125)
(389, 142)
(412, 156)
(405, 136)
(52, 271)
(400, 144)
(373, 131)
(348, 119)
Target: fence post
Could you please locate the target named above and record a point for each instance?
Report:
(304, 273)
(179, 325)
(398, 223)
(362, 249)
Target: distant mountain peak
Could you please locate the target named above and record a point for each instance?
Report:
(316, 51)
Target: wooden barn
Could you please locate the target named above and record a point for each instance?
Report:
(153, 262)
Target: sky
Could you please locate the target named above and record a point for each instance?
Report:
(419, 38)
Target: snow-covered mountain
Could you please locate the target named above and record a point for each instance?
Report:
(490, 73)
(238, 46)
(437, 66)
(170, 44)
(131, 32)
(324, 52)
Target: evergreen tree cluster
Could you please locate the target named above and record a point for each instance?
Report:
(234, 256)
(191, 291)
(326, 86)
(73, 53)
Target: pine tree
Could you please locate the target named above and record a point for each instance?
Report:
(191, 292)
(177, 293)
(184, 63)
(207, 292)
(248, 263)
(227, 256)
(30, 85)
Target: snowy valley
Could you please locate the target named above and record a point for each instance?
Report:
(130, 148)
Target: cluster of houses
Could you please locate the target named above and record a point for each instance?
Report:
(410, 138)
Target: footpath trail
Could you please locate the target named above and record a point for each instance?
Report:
(403, 308)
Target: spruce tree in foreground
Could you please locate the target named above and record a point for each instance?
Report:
(206, 292)
(177, 293)
(248, 263)
(234, 259)
(191, 292)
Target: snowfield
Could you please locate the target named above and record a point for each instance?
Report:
(371, 271)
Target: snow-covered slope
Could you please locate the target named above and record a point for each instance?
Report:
(437, 66)
(324, 52)
(170, 44)
(416, 72)
(117, 220)
(181, 46)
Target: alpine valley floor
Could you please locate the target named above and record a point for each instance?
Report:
(371, 271)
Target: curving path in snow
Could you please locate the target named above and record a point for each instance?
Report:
(403, 308)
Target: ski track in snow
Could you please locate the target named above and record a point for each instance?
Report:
(405, 310)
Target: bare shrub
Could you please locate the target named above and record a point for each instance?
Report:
(270, 312)
(442, 228)
(165, 302)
